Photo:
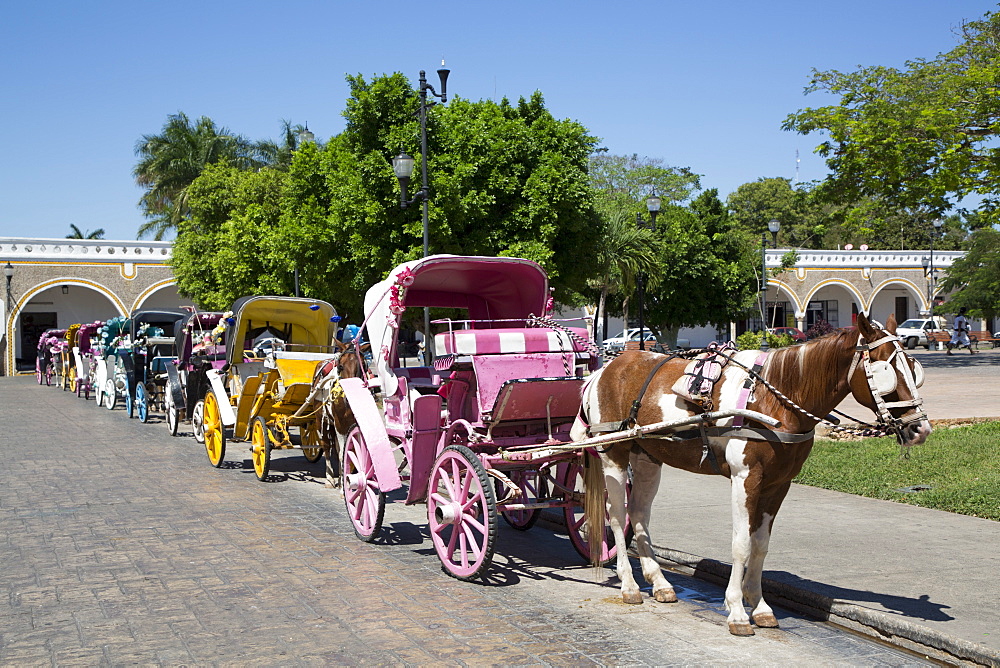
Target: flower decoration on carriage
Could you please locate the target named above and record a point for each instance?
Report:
(550, 303)
(397, 295)
(385, 353)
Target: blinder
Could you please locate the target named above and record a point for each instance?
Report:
(884, 377)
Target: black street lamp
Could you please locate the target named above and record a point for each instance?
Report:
(8, 271)
(773, 227)
(653, 206)
(402, 165)
(929, 269)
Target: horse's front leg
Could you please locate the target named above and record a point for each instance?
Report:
(764, 511)
(739, 621)
(615, 477)
(646, 474)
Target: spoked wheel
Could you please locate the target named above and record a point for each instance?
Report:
(173, 418)
(111, 392)
(141, 402)
(576, 523)
(38, 374)
(462, 513)
(529, 483)
(260, 441)
(198, 421)
(364, 500)
(309, 436)
(213, 431)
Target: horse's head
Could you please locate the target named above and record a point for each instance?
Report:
(349, 359)
(885, 379)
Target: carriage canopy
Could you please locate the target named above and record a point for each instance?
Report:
(492, 289)
(305, 323)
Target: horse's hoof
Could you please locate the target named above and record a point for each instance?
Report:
(665, 596)
(632, 599)
(765, 621)
(740, 628)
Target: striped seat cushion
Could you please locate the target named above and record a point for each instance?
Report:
(508, 340)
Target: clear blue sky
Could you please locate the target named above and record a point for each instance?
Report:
(704, 85)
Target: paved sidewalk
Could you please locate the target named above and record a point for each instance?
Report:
(901, 570)
(121, 545)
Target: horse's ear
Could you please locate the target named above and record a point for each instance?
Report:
(365, 347)
(865, 327)
(890, 324)
(341, 346)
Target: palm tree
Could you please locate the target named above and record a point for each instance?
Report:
(625, 252)
(77, 234)
(280, 156)
(170, 161)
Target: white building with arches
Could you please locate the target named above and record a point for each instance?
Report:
(59, 282)
(54, 283)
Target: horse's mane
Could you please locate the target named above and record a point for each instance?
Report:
(809, 371)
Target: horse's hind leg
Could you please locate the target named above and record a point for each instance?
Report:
(615, 475)
(645, 483)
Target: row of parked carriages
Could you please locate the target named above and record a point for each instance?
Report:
(477, 431)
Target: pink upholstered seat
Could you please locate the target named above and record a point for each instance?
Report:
(508, 340)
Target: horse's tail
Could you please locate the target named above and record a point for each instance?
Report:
(594, 506)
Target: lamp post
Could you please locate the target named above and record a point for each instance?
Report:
(8, 271)
(773, 226)
(929, 269)
(305, 136)
(402, 165)
(653, 206)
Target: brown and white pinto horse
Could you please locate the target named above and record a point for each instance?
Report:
(817, 376)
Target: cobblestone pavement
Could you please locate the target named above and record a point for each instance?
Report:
(122, 545)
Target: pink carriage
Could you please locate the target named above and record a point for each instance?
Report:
(482, 432)
(83, 356)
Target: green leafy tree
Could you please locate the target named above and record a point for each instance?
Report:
(973, 280)
(505, 179)
(806, 221)
(633, 178)
(169, 163)
(708, 266)
(924, 136)
(78, 234)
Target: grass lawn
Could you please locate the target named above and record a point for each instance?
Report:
(960, 465)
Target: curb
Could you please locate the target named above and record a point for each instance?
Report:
(879, 626)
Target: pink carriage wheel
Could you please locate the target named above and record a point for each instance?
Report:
(576, 525)
(462, 513)
(364, 500)
(532, 485)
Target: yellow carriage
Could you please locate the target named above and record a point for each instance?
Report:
(274, 347)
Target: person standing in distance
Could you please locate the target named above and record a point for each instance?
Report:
(960, 332)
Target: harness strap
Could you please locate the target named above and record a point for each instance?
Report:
(744, 397)
(637, 404)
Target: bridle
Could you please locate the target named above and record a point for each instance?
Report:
(883, 381)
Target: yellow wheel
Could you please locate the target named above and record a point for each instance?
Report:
(215, 434)
(309, 436)
(260, 441)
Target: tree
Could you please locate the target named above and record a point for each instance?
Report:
(279, 156)
(708, 267)
(973, 280)
(77, 234)
(635, 178)
(806, 221)
(625, 252)
(170, 161)
(921, 137)
(505, 179)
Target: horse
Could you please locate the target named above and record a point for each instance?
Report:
(335, 419)
(793, 385)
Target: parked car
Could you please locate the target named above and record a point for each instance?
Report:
(617, 343)
(797, 334)
(913, 332)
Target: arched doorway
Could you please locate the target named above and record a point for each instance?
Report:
(835, 302)
(897, 297)
(160, 295)
(55, 304)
